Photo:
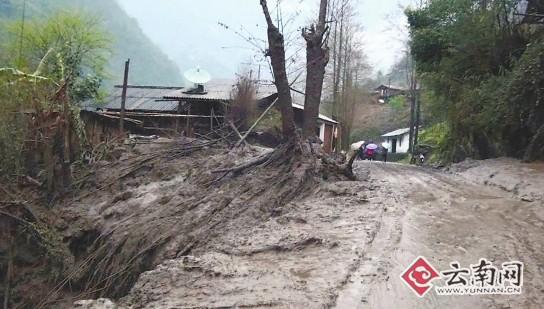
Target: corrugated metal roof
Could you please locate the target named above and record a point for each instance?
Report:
(220, 89)
(397, 132)
(142, 98)
(214, 90)
(156, 98)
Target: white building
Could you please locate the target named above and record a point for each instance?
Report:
(397, 141)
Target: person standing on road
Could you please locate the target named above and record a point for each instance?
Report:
(384, 152)
(362, 150)
(370, 151)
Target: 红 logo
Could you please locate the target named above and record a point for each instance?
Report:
(478, 279)
(419, 276)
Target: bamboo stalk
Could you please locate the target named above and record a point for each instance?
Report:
(256, 123)
(236, 130)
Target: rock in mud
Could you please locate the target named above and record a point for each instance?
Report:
(101, 303)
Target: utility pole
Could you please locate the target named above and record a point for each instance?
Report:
(418, 117)
(124, 98)
(412, 81)
(258, 79)
(23, 20)
(388, 90)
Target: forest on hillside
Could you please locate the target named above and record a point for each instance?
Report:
(481, 67)
(149, 65)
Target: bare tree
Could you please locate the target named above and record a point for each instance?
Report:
(348, 66)
(276, 52)
(354, 67)
(338, 14)
(317, 57)
(298, 159)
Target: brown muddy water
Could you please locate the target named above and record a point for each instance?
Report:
(348, 244)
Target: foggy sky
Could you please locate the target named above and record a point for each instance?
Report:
(188, 30)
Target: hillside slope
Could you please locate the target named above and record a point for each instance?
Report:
(372, 119)
(149, 65)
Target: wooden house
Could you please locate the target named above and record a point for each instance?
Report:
(176, 110)
(384, 92)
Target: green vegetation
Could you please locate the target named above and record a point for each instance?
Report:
(365, 134)
(69, 48)
(398, 103)
(484, 74)
(149, 65)
(40, 132)
(39, 118)
(437, 136)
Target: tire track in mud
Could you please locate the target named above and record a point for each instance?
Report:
(372, 265)
(375, 264)
(444, 219)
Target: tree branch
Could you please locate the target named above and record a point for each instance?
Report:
(266, 13)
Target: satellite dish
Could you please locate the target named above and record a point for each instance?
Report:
(197, 76)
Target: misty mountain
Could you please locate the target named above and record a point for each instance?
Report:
(189, 32)
(149, 64)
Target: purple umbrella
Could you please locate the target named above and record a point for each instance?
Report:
(372, 146)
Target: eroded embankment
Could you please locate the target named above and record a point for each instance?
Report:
(164, 202)
(154, 204)
(156, 201)
(297, 255)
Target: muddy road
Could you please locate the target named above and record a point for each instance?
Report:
(446, 218)
(347, 246)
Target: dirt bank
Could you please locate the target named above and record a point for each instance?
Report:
(522, 180)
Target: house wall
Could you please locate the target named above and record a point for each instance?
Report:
(403, 142)
(99, 129)
(322, 131)
(387, 144)
(328, 131)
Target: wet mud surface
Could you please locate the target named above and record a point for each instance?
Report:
(348, 243)
(446, 218)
